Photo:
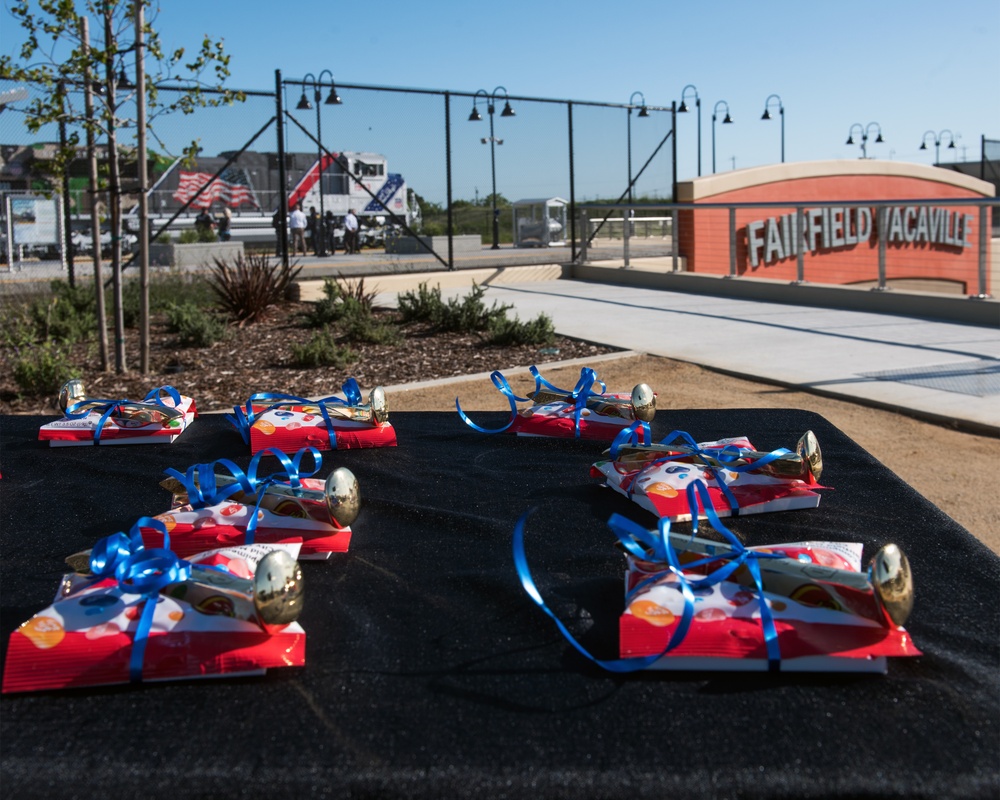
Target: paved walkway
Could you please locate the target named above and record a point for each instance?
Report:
(942, 371)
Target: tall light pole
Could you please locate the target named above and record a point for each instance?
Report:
(727, 121)
(864, 136)
(683, 108)
(333, 99)
(643, 112)
(475, 116)
(781, 111)
(938, 137)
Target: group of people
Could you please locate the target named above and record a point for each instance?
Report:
(205, 222)
(320, 230)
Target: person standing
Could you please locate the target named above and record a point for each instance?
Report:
(350, 232)
(225, 222)
(297, 223)
(313, 228)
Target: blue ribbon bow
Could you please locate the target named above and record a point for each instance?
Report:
(657, 547)
(139, 570)
(578, 396)
(243, 420)
(108, 408)
(203, 489)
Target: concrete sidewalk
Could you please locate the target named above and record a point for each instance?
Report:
(942, 371)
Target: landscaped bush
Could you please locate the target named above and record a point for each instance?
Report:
(423, 305)
(164, 289)
(68, 315)
(514, 332)
(469, 314)
(327, 310)
(188, 236)
(17, 326)
(248, 287)
(322, 350)
(195, 325)
(42, 369)
(359, 325)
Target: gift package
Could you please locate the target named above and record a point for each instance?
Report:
(289, 423)
(581, 412)
(739, 479)
(236, 507)
(160, 417)
(131, 614)
(698, 604)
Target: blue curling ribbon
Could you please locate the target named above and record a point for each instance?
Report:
(243, 420)
(578, 396)
(656, 546)
(139, 570)
(108, 408)
(203, 489)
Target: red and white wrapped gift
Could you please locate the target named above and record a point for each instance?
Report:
(289, 423)
(657, 478)
(159, 418)
(287, 506)
(701, 605)
(147, 615)
(581, 412)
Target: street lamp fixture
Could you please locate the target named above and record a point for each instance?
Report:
(683, 109)
(728, 120)
(864, 136)
(475, 116)
(938, 138)
(781, 111)
(643, 112)
(319, 228)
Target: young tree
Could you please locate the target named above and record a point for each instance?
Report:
(84, 87)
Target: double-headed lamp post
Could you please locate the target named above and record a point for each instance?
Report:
(475, 116)
(683, 109)
(643, 112)
(781, 111)
(938, 138)
(726, 121)
(864, 136)
(333, 99)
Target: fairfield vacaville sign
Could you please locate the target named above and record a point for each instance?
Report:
(842, 222)
(832, 228)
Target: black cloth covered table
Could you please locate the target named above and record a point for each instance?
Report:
(430, 673)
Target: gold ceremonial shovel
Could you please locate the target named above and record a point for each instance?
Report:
(341, 494)
(641, 405)
(72, 392)
(806, 460)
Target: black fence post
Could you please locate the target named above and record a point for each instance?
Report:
(572, 186)
(447, 167)
(282, 232)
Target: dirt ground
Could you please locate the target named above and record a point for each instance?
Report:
(958, 479)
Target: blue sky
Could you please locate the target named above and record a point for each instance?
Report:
(910, 67)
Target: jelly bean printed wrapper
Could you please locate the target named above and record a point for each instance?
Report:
(295, 427)
(278, 520)
(659, 485)
(582, 412)
(817, 629)
(88, 634)
(98, 427)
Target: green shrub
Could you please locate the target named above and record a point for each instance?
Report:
(43, 369)
(164, 289)
(250, 285)
(507, 331)
(206, 235)
(469, 314)
(322, 350)
(188, 236)
(68, 315)
(359, 325)
(195, 325)
(17, 326)
(163, 238)
(423, 305)
(327, 310)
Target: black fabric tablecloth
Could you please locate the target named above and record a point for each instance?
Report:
(431, 674)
